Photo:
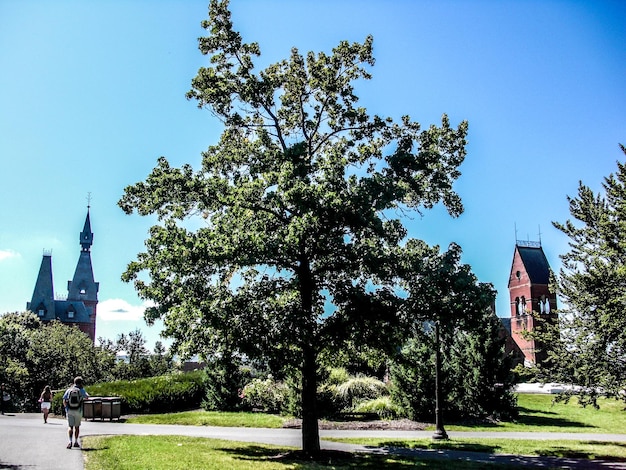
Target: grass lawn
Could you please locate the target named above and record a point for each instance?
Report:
(176, 452)
(538, 413)
(212, 418)
(546, 448)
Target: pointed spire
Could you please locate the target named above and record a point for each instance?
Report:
(42, 301)
(86, 236)
(83, 287)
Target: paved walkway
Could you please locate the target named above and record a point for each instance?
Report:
(27, 443)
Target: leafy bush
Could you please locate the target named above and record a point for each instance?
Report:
(337, 376)
(383, 407)
(167, 393)
(266, 395)
(360, 388)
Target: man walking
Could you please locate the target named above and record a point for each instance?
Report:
(73, 402)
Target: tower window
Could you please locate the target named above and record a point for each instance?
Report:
(41, 312)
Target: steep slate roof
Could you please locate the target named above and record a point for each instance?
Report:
(81, 315)
(44, 290)
(80, 305)
(536, 264)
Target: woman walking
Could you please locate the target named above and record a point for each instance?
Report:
(46, 402)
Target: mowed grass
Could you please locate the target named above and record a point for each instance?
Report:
(546, 448)
(176, 452)
(540, 413)
(537, 413)
(212, 418)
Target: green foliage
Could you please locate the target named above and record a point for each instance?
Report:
(224, 379)
(296, 198)
(384, 407)
(413, 380)
(360, 388)
(588, 345)
(337, 376)
(33, 355)
(476, 382)
(168, 393)
(475, 376)
(267, 395)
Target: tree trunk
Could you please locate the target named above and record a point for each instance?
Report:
(310, 428)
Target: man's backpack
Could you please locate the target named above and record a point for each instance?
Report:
(75, 398)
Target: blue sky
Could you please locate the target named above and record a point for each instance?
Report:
(92, 93)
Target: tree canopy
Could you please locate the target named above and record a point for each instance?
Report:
(300, 202)
(589, 345)
(33, 355)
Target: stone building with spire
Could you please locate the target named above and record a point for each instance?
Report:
(79, 307)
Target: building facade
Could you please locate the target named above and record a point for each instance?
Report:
(532, 302)
(79, 307)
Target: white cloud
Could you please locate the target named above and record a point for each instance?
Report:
(6, 254)
(120, 310)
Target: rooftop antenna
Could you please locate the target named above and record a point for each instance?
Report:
(540, 235)
(88, 200)
(515, 225)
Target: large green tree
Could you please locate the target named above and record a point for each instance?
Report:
(588, 346)
(33, 355)
(299, 201)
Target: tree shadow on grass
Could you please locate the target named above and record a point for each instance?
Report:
(529, 417)
(547, 418)
(557, 451)
(379, 459)
(327, 458)
(445, 444)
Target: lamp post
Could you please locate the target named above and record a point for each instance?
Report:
(440, 432)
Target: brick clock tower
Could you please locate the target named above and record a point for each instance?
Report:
(529, 292)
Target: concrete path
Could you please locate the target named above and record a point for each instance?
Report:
(27, 443)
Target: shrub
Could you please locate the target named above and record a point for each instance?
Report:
(383, 407)
(337, 376)
(360, 388)
(167, 393)
(266, 395)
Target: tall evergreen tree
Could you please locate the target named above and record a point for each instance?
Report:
(476, 380)
(297, 200)
(588, 348)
